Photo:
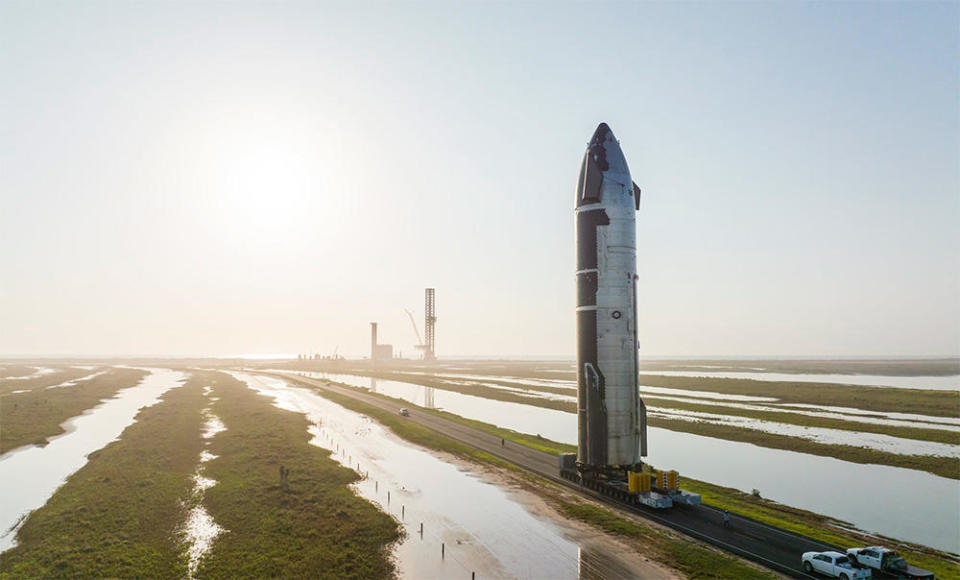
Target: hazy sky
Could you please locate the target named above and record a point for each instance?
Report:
(229, 177)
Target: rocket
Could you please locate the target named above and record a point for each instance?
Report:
(612, 419)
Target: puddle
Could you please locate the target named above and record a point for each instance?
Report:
(940, 383)
(30, 475)
(200, 530)
(820, 484)
(491, 533)
(213, 426)
(73, 382)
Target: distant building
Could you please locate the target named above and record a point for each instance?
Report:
(379, 351)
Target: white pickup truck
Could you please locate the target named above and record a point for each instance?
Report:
(887, 562)
(833, 564)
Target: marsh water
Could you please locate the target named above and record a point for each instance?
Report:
(30, 475)
(469, 524)
(902, 503)
(940, 383)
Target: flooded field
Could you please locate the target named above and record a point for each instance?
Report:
(503, 540)
(200, 530)
(947, 383)
(827, 412)
(30, 475)
(819, 484)
(657, 396)
(877, 441)
(564, 390)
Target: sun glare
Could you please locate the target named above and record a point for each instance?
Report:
(264, 192)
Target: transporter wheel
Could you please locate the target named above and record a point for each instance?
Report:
(807, 567)
(844, 577)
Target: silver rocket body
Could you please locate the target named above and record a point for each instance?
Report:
(611, 415)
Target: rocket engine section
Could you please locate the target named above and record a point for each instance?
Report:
(611, 415)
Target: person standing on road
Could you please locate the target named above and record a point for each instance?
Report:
(726, 519)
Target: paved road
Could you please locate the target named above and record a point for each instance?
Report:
(772, 547)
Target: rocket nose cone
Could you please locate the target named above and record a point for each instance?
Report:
(600, 135)
(605, 149)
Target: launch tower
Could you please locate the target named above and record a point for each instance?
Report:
(430, 323)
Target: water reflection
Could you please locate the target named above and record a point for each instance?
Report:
(820, 484)
(503, 539)
(941, 383)
(823, 435)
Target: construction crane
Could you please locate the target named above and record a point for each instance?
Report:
(419, 345)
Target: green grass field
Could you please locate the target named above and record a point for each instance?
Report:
(316, 527)
(59, 375)
(35, 416)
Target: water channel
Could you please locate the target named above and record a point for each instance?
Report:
(469, 524)
(939, 383)
(901, 503)
(30, 475)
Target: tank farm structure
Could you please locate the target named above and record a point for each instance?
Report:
(611, 416)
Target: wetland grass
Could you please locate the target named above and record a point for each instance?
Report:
(314, 526)
(33, 417)
(7, 371)
(59, 375)
(117, 516)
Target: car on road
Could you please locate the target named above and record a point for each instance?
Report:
(887, 562)
(405, 412)
(834, 565)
